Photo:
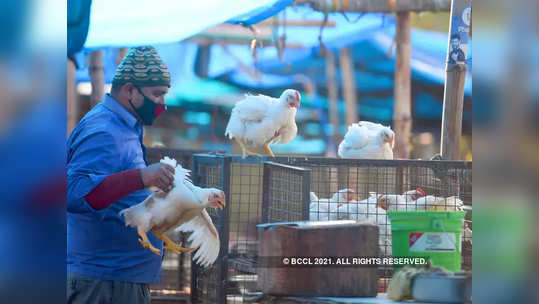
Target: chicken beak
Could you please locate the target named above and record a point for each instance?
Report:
(222, 204)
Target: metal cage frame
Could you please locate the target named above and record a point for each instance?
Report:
(216, 170)
(263, 191)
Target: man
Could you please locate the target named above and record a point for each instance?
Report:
(456, 54)
(107, 172)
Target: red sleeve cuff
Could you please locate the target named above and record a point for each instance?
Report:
(114, 187)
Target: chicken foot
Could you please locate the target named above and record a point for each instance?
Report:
(171, 246)
(268, 149)
(145, 242)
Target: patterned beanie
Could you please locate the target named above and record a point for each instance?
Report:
(143, 67)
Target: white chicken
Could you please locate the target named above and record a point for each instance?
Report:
(182, 208)
(428, 202)
(258, 121)
(367, 209)
(399, 201)
(431, 202)
(367, 140)
(329, 209)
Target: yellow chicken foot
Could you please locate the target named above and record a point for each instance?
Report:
(171, 246)
(146, 243)
(268, 150)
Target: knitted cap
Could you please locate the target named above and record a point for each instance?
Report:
(143, 67)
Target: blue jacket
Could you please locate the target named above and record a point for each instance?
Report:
(107, 140)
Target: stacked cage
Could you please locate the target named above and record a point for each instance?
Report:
(259, 191)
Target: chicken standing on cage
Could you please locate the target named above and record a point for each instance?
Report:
(325, 209)
(183, 209)
(367, 140)
(257, 121)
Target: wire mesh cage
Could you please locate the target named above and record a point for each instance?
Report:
(176, 269)
(244, 182)
(360, 189)
(261, 191)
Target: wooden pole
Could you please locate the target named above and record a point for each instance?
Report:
(402, 111)
(121, 54)
(455, 78)
(72, 98)
(97, 77)
(349, 85)
(333, 95)
(380, 6)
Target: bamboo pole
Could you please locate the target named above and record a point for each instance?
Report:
(349, 85)
(402, 113)
(333, 95)
(97, 77)
(380, 6)
(454, 83)
(73, 105)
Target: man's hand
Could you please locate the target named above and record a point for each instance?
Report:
(158, 175)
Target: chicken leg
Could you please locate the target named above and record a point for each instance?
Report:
(146, 243)
(170, 245)
(244, 150)
(268, 149)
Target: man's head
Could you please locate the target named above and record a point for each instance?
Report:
(455, 41)
(141, 82)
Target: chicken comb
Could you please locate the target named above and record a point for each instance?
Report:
(420, 190)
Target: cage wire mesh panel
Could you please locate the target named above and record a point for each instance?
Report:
(176, 269)
(285, 193)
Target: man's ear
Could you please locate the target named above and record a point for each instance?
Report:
(128, 89)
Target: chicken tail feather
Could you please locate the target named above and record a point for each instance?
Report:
(136, 216)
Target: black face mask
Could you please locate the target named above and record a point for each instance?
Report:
(149, 110)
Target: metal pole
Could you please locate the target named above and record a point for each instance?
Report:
(455, 78)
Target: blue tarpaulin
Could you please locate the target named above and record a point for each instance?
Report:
(370, 40)
(124, 23)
